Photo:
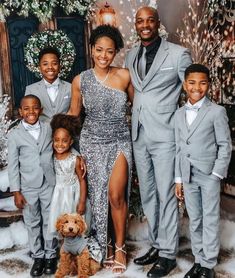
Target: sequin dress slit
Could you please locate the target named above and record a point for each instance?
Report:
(104, 136)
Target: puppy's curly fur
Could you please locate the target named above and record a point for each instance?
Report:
(72, 225)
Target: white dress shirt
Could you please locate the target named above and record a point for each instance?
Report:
(33, 130)
(52, 89)
(191, 114)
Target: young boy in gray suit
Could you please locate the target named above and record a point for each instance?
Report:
(54, 93)
(203, 151)
(32, 180)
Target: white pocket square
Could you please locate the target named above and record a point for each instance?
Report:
(170, 68)
(67, 97)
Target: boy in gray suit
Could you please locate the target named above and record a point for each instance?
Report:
(54, 93)
(203, 151)
(32, 180)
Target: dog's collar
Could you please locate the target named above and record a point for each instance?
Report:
(74, 245)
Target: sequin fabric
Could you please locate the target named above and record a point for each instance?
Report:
(105, 134)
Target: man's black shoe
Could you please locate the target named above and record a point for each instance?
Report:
(161, 268)
(150, 257)
(38, 267)
(50, 266)
(193, 272)
(206, 273)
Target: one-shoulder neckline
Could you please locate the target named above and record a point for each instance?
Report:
(105, 86)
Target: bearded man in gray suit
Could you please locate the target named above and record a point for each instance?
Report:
(157, 71)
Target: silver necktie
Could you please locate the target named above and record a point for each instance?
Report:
(142, 64)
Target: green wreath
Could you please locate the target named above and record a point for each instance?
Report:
(52, 38)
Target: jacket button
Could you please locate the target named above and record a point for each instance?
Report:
(188, 142)
(188, 155)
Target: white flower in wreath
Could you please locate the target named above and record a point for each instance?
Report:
(50, 38)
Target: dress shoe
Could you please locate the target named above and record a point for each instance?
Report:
(161, 268)
(206, 273)
(38, 267)
(50, 266)
(150, 257)
(193, 272)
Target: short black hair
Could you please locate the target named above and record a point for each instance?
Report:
(30, 96)
(68, 122)
(107, 31)
(197, 68)
(49, 50)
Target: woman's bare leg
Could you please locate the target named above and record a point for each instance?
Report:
(118, 204)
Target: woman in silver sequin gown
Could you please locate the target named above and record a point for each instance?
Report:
(105, 142)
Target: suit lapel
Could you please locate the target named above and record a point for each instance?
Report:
(44, 95)
(133, 68)
(42, 136)
(201, 114)
(161, 55)
(26, 135)
(60, 96)
(183, 123)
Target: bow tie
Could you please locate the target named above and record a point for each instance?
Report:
(192, 108)
(55, 86)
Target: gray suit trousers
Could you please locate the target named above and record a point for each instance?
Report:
(36, 214)
(202, 200)
(155, 169)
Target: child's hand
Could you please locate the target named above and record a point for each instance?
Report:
(179, 192)
(83, 166)
(81, 208)
(19, 200)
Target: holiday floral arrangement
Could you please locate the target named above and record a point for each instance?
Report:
(52, 38)
(4, 126)
(43, 10)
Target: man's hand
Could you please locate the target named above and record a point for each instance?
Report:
(179, 192)
(19, 200)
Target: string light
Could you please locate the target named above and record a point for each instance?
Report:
(207, 43)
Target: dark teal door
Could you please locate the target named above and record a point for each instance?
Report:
(20, 29)
(75, 29)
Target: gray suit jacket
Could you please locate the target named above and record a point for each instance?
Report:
(30, 160)
(61, 104)
(205, 144)
(156, 97)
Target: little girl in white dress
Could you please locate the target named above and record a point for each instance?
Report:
(70, 193)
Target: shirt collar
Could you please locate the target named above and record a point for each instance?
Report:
(31, 127)
(198, 103)
(55, 83)
(155, 44)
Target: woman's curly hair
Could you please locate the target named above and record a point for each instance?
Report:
(107, 31)
(68, 122)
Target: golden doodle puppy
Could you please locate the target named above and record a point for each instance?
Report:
(74, 254)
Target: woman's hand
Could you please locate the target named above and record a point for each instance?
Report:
(179, 191)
